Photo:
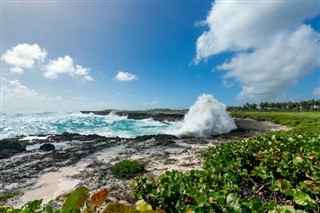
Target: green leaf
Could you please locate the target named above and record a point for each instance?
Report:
(297, 160)
(302, 198)
(287, 209)
(142, 205)
(33, 205)
(271, 204)
(232, 199)
(257, 205)
(75, 200)
(48, 209)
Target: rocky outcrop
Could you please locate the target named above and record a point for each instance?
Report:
(47, 147)
(10, 147)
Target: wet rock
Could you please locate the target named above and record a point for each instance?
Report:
(47, 147)
(148, 141)
(10, 147)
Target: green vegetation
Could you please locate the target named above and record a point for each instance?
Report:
(300, 121)
(127, 168)
(302, 106)
(79, 200)
(167, 111)
(273, 172)
(276, 172)
(5, 196)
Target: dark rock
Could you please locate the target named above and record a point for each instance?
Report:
(161, 137)
(47, 147)
(139, 115)
(22, 170)
(9, 147)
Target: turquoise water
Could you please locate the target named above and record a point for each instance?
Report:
(14, 124)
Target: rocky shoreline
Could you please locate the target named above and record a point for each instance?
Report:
(87, 160)
(162, 116)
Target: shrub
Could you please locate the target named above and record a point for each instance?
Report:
(273, 172)
(127, 169)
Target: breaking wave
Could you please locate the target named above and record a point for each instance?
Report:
(205, 118)
(14, 124)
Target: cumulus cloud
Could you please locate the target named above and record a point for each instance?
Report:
(316, 91)
(125, 76)
(271, 45)
(67, 66)
(24, 56)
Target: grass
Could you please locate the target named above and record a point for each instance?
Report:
(299, 121)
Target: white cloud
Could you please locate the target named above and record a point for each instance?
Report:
(316, 91)
(125, 76)
(273, 48)
(24, 56)
(16, 70)
(264, 74)
(79, 70)
(65, 65)
(227, 84)
(59, 66)
(14, 89)
(88, 78)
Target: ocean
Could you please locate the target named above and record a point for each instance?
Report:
(206, 117)
(34, 123)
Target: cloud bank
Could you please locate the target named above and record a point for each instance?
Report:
(14, 89)
(272, 47)
(125, 76)
(27, 56)
(19, 97)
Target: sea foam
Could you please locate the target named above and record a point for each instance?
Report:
(205, 118)
(14, 124)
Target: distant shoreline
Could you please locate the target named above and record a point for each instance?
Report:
(165, 115)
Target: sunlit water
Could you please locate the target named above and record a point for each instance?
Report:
(14, 124)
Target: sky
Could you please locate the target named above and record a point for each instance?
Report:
(93, 55)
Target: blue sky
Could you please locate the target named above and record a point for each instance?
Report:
(79, 55)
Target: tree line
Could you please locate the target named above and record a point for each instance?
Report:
(302, 106)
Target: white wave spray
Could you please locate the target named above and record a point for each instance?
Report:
(206, 117)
